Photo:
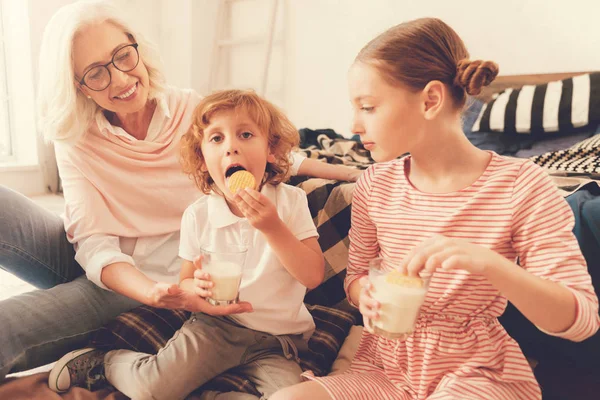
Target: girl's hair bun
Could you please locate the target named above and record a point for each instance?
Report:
(474, 75)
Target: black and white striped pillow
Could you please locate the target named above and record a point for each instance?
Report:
(551, 107)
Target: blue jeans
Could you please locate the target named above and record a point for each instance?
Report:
(39, 327)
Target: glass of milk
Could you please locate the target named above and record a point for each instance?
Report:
(400, 297)
(225, 269)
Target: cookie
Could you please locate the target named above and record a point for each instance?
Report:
(241, 180)
(398, 278)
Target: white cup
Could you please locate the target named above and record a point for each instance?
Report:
(400, 305)
(225, 269)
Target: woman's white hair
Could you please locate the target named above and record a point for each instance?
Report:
(64, 112)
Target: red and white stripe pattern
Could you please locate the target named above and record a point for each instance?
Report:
(459, 349)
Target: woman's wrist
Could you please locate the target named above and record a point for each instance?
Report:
(187, 284)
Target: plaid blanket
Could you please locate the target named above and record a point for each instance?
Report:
(330, 203)
(146, 329)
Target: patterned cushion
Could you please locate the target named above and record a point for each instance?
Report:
(581, 158)
(330, 204)
(146, 329)
(552, 107)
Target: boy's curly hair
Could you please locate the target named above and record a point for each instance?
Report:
(282, 135)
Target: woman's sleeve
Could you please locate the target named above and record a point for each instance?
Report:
(95, 250)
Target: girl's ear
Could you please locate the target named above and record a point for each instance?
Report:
(433, 96)
(203, 167)
(271, 158)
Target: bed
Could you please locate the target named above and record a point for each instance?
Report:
(564, 369)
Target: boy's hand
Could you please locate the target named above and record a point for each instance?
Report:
(202, 281)
(172, 297)
(191, 292)
(258, 209)
(202, 285)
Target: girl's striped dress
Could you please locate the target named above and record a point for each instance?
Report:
(459, 350)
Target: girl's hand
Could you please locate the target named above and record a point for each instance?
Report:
(258, 209)
(449, 254)
(368, 307)
(354, 174)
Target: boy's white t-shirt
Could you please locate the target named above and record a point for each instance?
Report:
(276, 296)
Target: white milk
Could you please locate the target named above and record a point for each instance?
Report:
(400, 306)
(226, 277)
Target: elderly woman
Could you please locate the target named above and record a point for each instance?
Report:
(116, 128)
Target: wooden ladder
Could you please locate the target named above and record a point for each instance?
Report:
(222, 42)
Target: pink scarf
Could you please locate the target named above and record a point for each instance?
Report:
(131, 188)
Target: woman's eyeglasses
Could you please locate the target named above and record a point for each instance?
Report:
(125, 59)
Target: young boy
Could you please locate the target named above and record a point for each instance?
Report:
(232, 131)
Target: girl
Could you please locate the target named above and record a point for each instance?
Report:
(462, 214)
(231, 130)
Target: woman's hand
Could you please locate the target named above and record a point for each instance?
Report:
(170, 296)
(368, 307)
(449, 254)
(173, 297)
(258, 209)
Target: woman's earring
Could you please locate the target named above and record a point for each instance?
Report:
(89, 97)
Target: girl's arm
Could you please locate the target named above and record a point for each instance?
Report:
(546, 302)
(561, 298)
(549, 305)
(319, 169)
(551, 285)
(353, 291)
(363, 237)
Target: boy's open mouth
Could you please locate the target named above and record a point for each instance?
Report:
(232, 169)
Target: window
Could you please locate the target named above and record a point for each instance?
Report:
(19, 163)
(6, 150)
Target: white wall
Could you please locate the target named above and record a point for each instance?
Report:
(523, 36)
(320, 38)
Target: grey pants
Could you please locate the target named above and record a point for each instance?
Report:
(39, 327)
(203, 348)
